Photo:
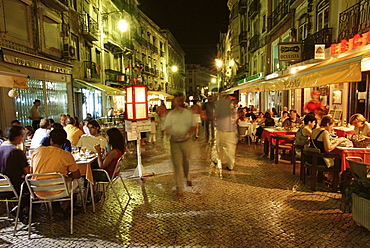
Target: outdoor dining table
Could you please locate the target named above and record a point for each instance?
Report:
(364, 153)
(84, 165)
(272, 131)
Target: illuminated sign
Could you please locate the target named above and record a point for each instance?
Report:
(250, 78)
(358, 40)
(290, 51)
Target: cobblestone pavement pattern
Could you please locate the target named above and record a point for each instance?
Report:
(259, 204)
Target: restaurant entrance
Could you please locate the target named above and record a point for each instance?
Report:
(359, 91)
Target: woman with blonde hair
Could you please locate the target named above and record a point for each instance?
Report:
(360, 123)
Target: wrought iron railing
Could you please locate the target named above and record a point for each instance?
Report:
(242, 6)
(89, 24)
(354, 20)
(243, 38)
(254, 8)
(241, 70)
(278, 14)
(324, 36)
(254, 43)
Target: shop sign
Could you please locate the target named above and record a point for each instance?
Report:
(35, 64)
(320, 51)
(290, 51)
(358, 40)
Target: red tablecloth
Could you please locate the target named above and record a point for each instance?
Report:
(343, 132)
(268, 132)
(364, 153)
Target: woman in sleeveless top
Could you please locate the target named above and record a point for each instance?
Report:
(116, 140)
(320, 138)
(304, 132)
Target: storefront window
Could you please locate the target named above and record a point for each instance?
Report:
(56, 95)
(92, 103)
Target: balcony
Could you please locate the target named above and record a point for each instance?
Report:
(254, 8)
(92, 70)
(279, 13)
(324, 36)
(241, 70)
(254, 43)
(354, 20)
(90, 28)
(115, 76)
(243, 41)
(61, 5)
(242, 7)
(153, 48)
(161, 53)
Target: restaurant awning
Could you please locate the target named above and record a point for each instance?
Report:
(338, 70)
(12, 79)
(152, 92)
(110, 91)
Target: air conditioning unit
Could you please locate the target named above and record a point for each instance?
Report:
(69, 52)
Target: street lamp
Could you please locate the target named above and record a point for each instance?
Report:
(174, 68)
(123, 25)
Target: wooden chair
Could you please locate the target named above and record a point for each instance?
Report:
(358, 168)
(300, 148)
(320, 168)
(282, 142)
(242, 132)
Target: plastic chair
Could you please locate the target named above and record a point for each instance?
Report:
(242, 130)
(6, 186)
(358, 169)
(315, 168)
(282, 142)
(251, 133)
(108, 181)
(55, 186)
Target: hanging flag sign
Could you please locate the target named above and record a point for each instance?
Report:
(319, 51)
(289, 51)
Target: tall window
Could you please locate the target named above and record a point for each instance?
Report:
(302, 28)
(322, 17)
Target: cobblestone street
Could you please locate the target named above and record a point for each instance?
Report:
(258, 204)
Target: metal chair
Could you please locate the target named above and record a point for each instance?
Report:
(47, 188)
(358, 168)
(282, 142)
(315, 168)
(6, 187)
(242, 132)
(109, 180)
(251, 133)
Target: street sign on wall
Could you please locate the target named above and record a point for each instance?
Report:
(289, 51)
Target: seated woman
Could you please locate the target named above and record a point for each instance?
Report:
(260, 119)
(116, 140)
(242, 120)
(320, 139)
(361, 125)
(29, 132)
(304, 132)
(268, 122)
(284, 116)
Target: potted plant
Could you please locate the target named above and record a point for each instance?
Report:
(358, 195)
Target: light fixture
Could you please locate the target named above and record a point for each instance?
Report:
(12, 93)
(136, 102)
(213, 80)
(123, 25)
(232, 63)
(219, 63)
(174, 68)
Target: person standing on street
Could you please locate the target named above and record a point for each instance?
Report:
(208, 110)
(226, 138)
(196, 115)
(35, 115)
(162, 112)
(180, 125)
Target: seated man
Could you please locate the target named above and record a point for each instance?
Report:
(13, 162)
(293, 119)
(40, 133)
(46, 140)
(46, 159)
(94, 138)
(73, 133)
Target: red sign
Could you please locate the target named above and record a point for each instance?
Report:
(348, 45)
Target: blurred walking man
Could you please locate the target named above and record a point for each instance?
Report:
(180, 125)
(226, 138)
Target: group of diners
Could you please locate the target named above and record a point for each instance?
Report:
(51, 147)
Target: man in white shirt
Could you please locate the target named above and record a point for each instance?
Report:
(40, 133)
(94, 138)
(35, 115)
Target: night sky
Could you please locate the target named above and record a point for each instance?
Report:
(195, 24)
